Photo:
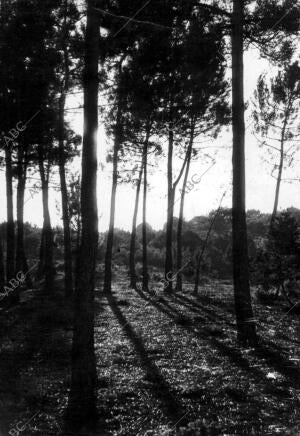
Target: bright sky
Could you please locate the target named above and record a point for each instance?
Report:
(203, 198)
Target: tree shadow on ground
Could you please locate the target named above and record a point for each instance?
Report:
(210, 313)
(170, 404)
(274, 358)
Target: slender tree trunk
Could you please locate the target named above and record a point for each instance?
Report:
(82, 399)
(110, 235)
(197, 275)
(47, 232)
(62, 163)
(279, 176)
(132, 271)
(10, 229)
(170, 205)
(144, 227)
(41, 266)
(64, 202)
(21, 260)
(278, 183)
(2, 269)
(180, 219)
(246, 330)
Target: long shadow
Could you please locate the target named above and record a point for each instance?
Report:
(273, 358)
(211, 314)
(226, 306)
(170, 404)
(284, 366)
(168, 310)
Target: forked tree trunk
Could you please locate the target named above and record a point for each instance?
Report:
(132, 271)
(110, 235)
(170, 207)
(180, 218)
(82, 399)
(64, 202)
(10, 229)
(246, 330)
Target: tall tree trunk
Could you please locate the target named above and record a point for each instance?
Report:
(21, 260)
(246, 330)
(62, 163)
(64, 202)
(41, 266)
(2, 269)
(82, 399)
(170, 205)
(47, 231)
(144, 226)
(278, 183)
(110, 235)
(279, 176)
(132, 271)
(180, 218)
(197, 275)
(10, 229)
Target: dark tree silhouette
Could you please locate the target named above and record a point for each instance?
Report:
(82, 399)
(244, 314)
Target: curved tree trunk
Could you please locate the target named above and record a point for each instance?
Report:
(279, 176)
(62, 163)
(64, 202)
(132, 271)
(180, 218)
(82, 399)
(110, 235)
(246, 330)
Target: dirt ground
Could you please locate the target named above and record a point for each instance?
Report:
(167, 365)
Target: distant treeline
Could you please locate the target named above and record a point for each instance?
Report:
(217, 256)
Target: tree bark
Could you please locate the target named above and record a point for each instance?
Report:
(180, 219)
(2, 269)
(110, 235)
(246, 329)
(280, 169)
(62, 163)
(197, 275)
(82, 399)
(170, 205)
(10, 229)
(64, 202)
(41, 265)
(145, 284)
(132, 271)
(21, 260)
(47, 237)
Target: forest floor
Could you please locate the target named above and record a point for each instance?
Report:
(167, 365)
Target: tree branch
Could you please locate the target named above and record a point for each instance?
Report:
(131, 20)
